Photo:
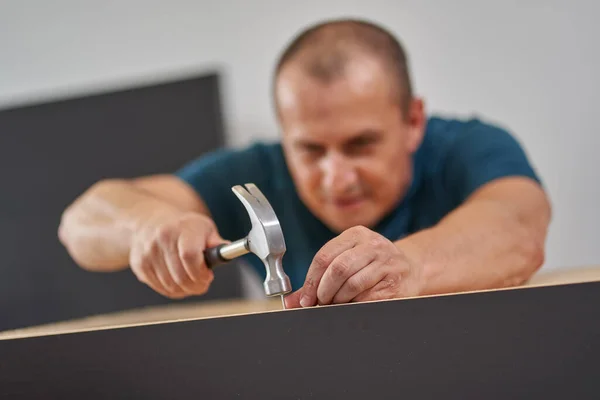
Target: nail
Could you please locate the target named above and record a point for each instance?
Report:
(304, 301)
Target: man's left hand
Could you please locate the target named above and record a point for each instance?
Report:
(358, 265)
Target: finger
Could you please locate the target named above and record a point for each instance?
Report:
(293, 299)
(384, 289)
(170, 288)
(214, 239)
(180, 276)
(341, 269)
(155, 284)
(164, 275)
(189, 248)
(320, 262)
(146, 275)
(142, 269)
(365, 279)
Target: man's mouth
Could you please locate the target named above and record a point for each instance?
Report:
(348, 203)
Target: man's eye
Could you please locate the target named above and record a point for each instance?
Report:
(313, 150)
(362, 144)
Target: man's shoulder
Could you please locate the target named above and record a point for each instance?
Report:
(452, 136)
(463, 154)
(442, 131)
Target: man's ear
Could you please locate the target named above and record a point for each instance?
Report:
(417, 121)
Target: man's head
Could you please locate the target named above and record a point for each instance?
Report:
(349, 119)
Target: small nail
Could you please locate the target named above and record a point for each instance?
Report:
(304, 301)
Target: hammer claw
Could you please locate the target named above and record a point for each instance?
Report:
(253, 190)
(265, 238)
(248, 200)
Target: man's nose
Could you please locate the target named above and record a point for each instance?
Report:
(339, 174)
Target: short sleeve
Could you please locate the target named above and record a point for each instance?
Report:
(214, 174)
(481, 153)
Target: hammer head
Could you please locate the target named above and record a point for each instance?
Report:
(265, 238)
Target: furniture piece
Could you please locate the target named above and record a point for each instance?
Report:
(539, 341)
(50, 152)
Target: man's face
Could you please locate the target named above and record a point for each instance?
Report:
(347, 143)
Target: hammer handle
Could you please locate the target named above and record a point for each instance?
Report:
(225, 252)
(212, 256)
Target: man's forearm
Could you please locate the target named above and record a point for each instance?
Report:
(97, 228)
(494, 240)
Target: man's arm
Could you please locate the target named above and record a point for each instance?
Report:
(97, 227)
(495, 239)
(160, 225)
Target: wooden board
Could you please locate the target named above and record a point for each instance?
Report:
(539, 342)
(146, 315)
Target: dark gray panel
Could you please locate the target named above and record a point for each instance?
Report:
(51, 152)
(535, 343)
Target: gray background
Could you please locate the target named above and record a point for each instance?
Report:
(531, 65)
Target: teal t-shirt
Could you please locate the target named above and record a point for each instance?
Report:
(455, 158)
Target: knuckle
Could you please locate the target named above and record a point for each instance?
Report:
(356, 285)
(164, 233)
(188, 255)
(151, 249)
(321, 259)
(377, 241)
(363, 229)
(390, 283)
(309, 284)
(340, 268)
(200, 221)
(359, 230)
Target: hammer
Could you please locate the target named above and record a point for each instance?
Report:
(265, 240)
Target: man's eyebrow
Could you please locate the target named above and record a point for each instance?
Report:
(366, 135)
(306, 142)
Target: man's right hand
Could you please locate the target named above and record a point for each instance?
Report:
(167, 253)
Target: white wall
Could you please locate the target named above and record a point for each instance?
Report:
(531, 65)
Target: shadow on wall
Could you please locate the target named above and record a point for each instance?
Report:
(51, 152)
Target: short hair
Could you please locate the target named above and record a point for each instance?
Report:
(325, 48)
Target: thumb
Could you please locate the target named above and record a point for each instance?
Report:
(293, 299)
(214, 239)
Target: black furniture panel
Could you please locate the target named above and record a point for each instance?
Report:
(52, 151)
(535, 343)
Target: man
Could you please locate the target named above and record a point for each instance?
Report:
(375, 200)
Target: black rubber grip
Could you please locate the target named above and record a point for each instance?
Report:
(213, 257)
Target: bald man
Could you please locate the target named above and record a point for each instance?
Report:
(376, 199)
